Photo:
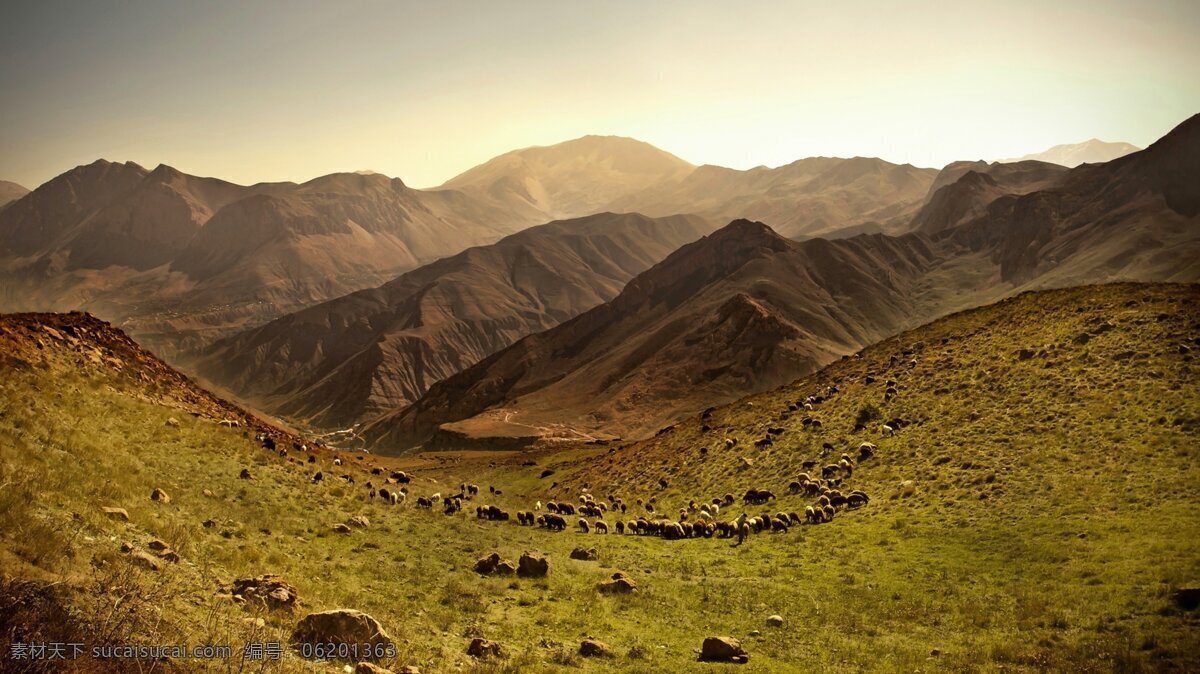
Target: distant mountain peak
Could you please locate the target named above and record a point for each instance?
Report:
(1092, 151)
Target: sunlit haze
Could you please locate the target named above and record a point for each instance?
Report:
(422, 91)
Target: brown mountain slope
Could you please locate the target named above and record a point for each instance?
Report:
(380, 349)
(571, 179)
(807, 197)
(1132, 218)
(10, 192)
(639, 360)
(962, 190)
(742, 309)
(181, 260)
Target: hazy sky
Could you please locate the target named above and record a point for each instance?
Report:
(288, 90)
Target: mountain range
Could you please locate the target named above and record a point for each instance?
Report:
(1092, 151)
(419, 316)
(811, 196)
(745, 309)
(378, 349)
(180, 260)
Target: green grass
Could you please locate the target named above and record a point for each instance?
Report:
(1089, 468)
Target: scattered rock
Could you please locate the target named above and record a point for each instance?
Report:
(359, 521)
(208, 524)
(369, 668)
(482, 648)
(934, 652)
(208, 493)
(340, 626)
(157, 545)
(172, 422)
(340, 528)
(532, 565)
(486, 565)
(270, 590)
(245, 474)
(588, 555)
(620, 584)
(591, 648)
(145, 560)
(775, 621)
(746, 463)
(1187, 598)
(126, 548)
(409, 669)
(1025, 354)
(170, 556)
(119, 514)
(723, 649)
(755, 633)
(506, 568)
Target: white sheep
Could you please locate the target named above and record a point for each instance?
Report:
(887, 431)
(537, 506)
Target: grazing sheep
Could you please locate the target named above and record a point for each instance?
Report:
(620, 527)
(866, 450)
(337, 462)
(537, 505)
(829, 512)
(728, 500)
(794, 487)
(887, 431)
(583, 525)
(601, 527)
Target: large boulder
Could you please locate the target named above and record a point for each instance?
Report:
(592, 648)
(532, 565)
(160, 496)
(268, 590)
(482, 649)
(340, 626)
(723, 649)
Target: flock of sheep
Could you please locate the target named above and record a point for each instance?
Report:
(825, 484)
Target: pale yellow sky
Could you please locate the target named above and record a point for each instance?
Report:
(422, 91)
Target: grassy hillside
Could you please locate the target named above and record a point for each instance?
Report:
(1037, 512)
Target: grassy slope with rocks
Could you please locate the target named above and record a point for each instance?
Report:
(1052, 509)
